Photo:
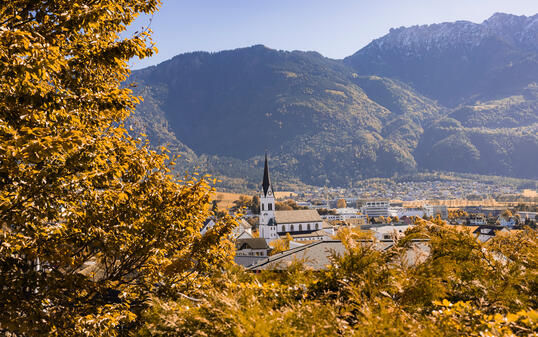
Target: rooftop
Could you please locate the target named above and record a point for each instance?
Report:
(252, 243)
(295, 216)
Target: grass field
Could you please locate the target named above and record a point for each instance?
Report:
(225, 200)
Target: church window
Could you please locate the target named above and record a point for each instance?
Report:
(300, 227)
(263, 208)
(270, 207)
(308, 227)
(317, 226)
(291, 228)
(283, 228)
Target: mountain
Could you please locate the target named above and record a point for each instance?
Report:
(455, 62)
(308, 110)
(454, 96)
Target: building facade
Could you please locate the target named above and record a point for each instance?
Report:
(267, 227)
(274, 224)
(376, 208)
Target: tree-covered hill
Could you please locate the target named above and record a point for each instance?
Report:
(310, 112)
(376, 113)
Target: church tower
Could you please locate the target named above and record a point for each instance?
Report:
(267, 207)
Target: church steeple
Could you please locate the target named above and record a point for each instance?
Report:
(266, 182)
(267, 207)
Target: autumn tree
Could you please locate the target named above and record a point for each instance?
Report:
(341, 203)
(281, 244)
(283, 206)
(288, 205)
(454, 286)
(93, 224)
(507, 214)
(242, 202)
(255, 204)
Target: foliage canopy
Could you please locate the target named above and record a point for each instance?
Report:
(462, 287)
(93, 224)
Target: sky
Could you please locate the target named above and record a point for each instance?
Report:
(334, 28)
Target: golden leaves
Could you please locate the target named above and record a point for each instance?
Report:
(92, 217)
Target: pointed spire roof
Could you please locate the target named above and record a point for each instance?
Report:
(266, 182)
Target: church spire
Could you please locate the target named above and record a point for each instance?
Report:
(266, 183)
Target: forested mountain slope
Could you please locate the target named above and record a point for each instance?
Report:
(455, 96)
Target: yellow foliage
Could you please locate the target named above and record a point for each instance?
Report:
(462, 288)
(92, 221)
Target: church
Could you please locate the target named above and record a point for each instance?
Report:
(274, 224)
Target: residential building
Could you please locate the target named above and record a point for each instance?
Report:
(313, 236)
(251, 251)
(243, 229)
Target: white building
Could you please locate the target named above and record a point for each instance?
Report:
(407, 211)
(298, 221)
(476, 220)
(242, 231)
(267, 208)
(527, 215)
(314, 236)
(274, 224)
(376, 208)
(251, 251)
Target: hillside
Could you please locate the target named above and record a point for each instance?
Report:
(308, 111)
(375, 113)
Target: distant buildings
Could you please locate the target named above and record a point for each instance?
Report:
(311, 234)
(344, 214)
(384, 208)
(434, 211)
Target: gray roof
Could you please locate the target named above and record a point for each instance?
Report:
(252, 243)
(315, 255)
(326, 225)
(244, 224)
(317, 233)
(377, 225)
(294, 216)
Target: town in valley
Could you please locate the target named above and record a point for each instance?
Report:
(307, 223)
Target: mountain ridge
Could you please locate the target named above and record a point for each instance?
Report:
(329, 121)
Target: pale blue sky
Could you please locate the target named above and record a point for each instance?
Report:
(335, 28)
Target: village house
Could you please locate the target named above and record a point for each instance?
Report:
(251, 251)
(243, 230)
